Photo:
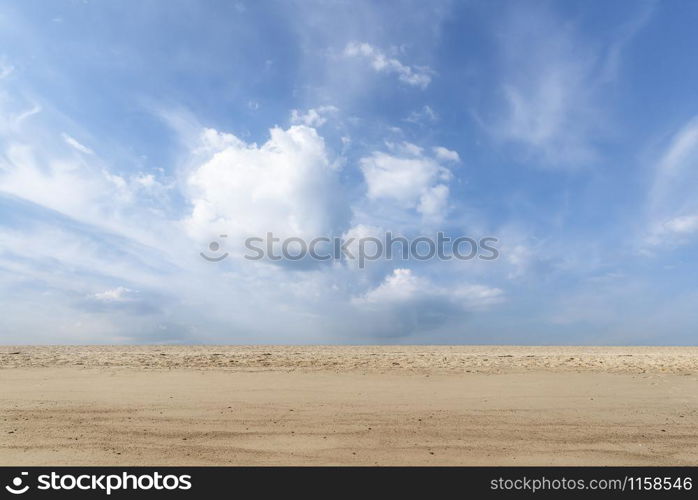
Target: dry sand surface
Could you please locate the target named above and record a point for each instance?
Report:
(430, 405)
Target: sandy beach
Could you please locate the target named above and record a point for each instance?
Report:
(316, 405)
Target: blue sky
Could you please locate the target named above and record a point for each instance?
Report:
(133, 135)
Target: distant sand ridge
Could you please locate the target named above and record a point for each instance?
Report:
(448, 359)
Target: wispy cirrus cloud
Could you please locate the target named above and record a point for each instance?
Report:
(76, 145)
(552, 103)
(672, 203)
(416, 76)
(6, 69)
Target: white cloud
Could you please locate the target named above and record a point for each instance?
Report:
(686, 224)
(118, 294)
(406, 304)
(60, 184)
(351, 238)
(5, 70)
(48, 174)
(679, 159)
(73, 143)
(520, 258)
(433, 202)
(11, 121)
(624, 35)
(314, 117)
(15, 106)
(145, 180)
(426, 114)
(400, 286)
(408, 178)
(404, 287)
(478, 296)
(411, 75)
(446, 154)
(35, 109)
(288, 186)
(400, 179)
(673, 205)
(544, 115)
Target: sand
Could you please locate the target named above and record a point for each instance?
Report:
(321, 405)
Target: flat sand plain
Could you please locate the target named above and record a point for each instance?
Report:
(351, 405)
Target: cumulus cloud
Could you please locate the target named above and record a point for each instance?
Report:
(410, 304)
(404, 287)
(445, 154)
(433, 202)
(417, 76)
(314, 117)
(408, 177)
(400, 286)
(287, 186)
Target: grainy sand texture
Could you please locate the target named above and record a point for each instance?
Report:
(322, 405)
